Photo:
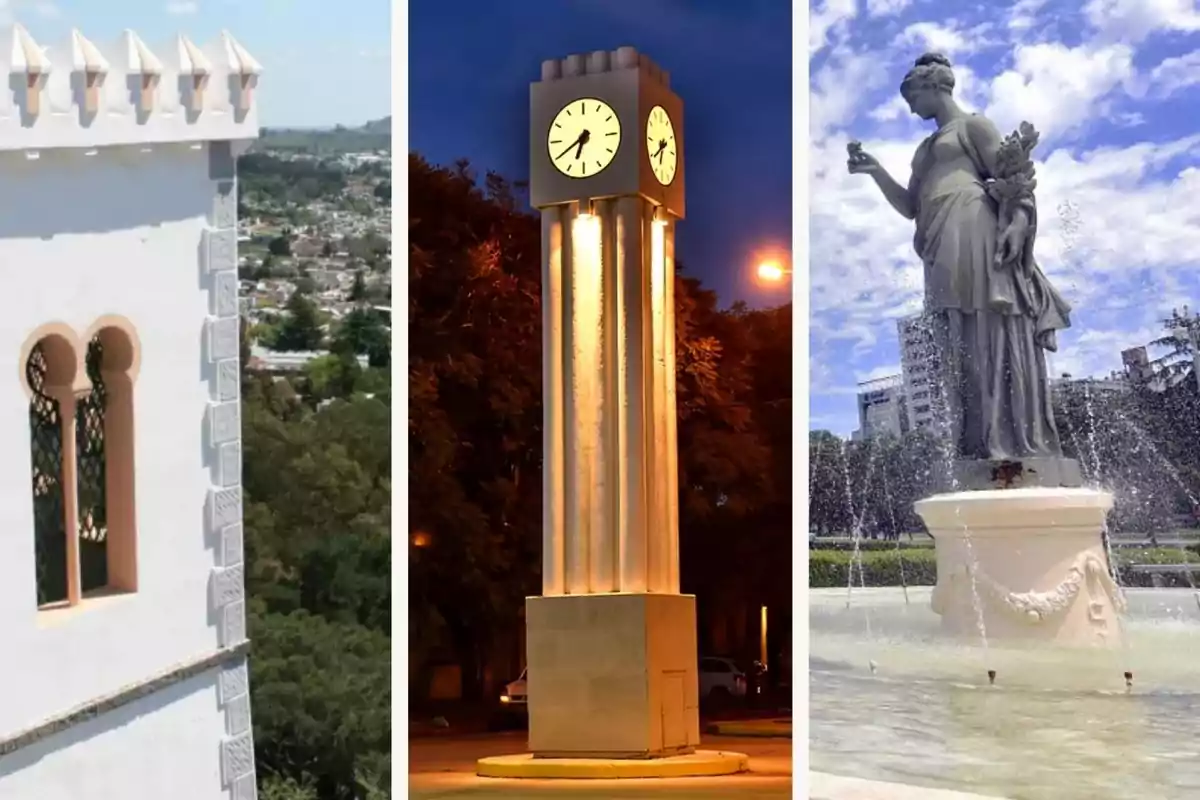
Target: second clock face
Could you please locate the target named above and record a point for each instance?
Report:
(661, 146)
(584, 138)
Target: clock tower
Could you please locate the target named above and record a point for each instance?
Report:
(611, 642)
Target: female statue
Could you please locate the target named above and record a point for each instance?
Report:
(993, 312)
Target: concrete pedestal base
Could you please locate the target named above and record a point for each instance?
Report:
(1028, 563)
(700, 764)
(612, 676)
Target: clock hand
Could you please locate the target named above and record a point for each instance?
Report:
(662, 145)
(572, 144)
(583, 139)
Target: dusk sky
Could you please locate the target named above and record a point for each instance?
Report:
(471, 63)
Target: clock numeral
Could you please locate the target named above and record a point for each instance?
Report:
(598, 163)
(612, 133)
(606, 119)
(609, 149)
(556, 141)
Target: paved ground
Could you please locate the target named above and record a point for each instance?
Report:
(769, 728)
(443, 768)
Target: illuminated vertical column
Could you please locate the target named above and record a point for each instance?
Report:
(574, 503)
(587, 399)
(670, 412)
(603, 544)
(553, 576)
(633, 389)
(658, 550)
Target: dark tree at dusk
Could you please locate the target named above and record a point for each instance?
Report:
(475, 439)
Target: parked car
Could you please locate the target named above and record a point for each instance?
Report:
(516, 693)
(721, 680)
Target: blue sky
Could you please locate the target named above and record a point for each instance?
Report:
(321, 67)
(1111, 84)
(471, 62)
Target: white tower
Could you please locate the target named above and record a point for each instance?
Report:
(122, 608)
(611, 644)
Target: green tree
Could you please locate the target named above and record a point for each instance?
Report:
(474, 467)
(280, 246)
(332, 376)
(475, 425)
(322, 699)
(362, 332)
(300, 329)
(358, 290)
(1176, 365)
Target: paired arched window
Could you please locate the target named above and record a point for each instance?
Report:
(81, 458)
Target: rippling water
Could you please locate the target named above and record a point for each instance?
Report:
(1058, 725)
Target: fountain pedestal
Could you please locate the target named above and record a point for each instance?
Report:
(1027, 564)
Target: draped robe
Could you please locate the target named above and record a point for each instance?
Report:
(992, 324)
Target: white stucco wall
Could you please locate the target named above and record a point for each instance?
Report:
(132, 752)
(82, 237)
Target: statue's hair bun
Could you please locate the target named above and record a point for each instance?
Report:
(930, 59)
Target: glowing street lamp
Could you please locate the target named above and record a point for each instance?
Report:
(770, 271)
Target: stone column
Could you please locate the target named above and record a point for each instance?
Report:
(612, 644)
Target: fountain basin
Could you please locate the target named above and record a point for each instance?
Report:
(1024, 564)
(893, 698)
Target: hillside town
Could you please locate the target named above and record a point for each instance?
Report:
(315, 227)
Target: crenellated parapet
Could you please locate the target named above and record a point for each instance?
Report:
(81, 93)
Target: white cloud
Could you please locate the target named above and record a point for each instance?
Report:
(947, 38)
(1023, 15)
(182, 8)
(1134, 20)
(827, 19)
(42, 8)
(1058, 87)
(839, 88)
(1176, 74)
(886, 8)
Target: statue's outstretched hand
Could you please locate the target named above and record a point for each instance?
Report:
(861, 162)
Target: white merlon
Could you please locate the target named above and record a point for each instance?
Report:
(88, 94)
(138, 58)
(191, 60)
(85, 57)
(602, 61)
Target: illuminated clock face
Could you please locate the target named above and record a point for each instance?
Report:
(661, 146)
(583, 138)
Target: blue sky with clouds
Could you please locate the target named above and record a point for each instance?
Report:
(322, 66)
(1111, 84)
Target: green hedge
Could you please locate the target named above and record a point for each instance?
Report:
(916, 566)
(843, 544)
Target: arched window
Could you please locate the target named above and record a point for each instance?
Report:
(81, 437)
(49, 513)
(91, 490)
